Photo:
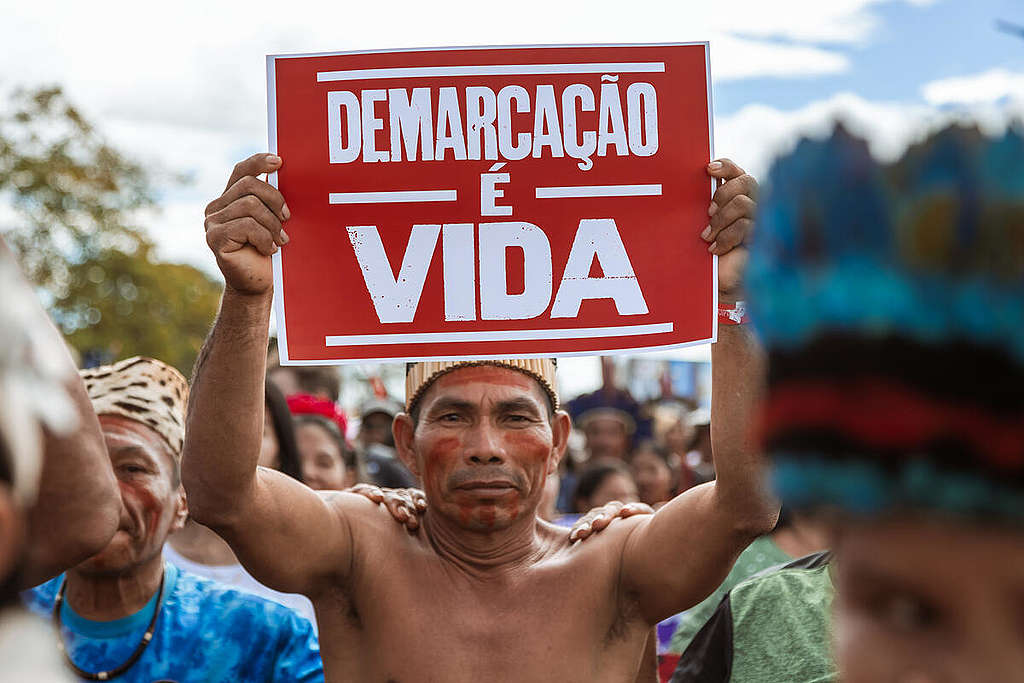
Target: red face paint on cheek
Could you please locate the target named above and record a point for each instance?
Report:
(440, 457)
(513, 508)
(147, 505)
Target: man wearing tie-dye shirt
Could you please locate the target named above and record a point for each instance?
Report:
(124, 613)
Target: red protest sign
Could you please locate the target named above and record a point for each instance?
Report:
(492, 202)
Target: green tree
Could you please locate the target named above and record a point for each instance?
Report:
(70, 208)
(72, 194)
(119, 304)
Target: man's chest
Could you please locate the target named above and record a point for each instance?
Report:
(437, 624)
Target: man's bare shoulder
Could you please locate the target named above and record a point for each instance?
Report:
(609, 542)
(359, 512)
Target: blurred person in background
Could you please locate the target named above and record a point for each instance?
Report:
(674, 432)
(890, 299)
(58, 496)
(608, 432)
(795, 536)
(602, 482)
(199, 550)
(772, 626)
(375, 417)
(656, 473)
(328, 461)
(125, 611)
(678, 430)
(322, 381)
(377, 443)
(699, 459)
(610, 395)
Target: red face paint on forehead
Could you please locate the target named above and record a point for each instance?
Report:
(122, 432)
(476, 383)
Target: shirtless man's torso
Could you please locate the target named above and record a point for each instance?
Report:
(410, 612)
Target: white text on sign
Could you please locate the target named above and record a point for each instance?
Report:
(396, 297)
(426, 124)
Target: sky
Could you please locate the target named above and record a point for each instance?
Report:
(182, 86)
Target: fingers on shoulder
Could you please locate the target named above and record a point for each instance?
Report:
(369, 491)
(632, 509)
(607, 513)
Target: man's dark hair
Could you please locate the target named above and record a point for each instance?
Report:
(288, 460)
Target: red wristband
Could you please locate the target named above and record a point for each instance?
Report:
(733, 315)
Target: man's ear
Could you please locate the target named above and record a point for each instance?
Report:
(561, 427)
(404, 432)
(180, 510)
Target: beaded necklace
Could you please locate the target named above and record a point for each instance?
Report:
(147, 637)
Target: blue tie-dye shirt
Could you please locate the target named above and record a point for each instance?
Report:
(206, 632)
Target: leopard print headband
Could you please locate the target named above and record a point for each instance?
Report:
(144, 390)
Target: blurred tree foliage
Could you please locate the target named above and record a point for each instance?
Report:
(162, 310)
(69, 206)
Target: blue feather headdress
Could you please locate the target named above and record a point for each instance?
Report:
(891, 298)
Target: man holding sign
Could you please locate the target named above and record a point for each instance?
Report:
(483, 590)
(567, 219)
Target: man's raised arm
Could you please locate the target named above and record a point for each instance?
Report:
(675, 558)
(286, 535)
(77, 505)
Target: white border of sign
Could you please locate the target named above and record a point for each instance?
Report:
(282, 330)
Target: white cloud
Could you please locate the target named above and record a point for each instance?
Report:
(835, 21)
(756, 134)
(986, 87)
(733, 58)
(201, 63)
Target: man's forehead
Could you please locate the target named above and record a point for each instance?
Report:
(122, 433)
(483, 382)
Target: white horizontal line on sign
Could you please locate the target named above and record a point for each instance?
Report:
(393, 196)
(496, 335)
(491, 70)
(599, 191)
